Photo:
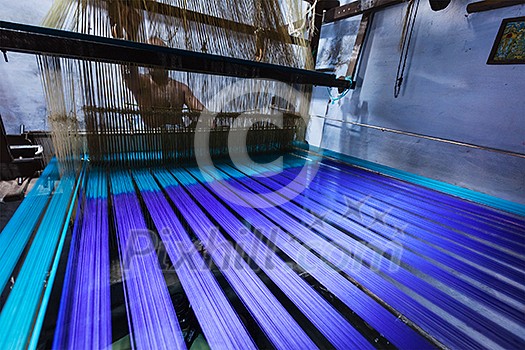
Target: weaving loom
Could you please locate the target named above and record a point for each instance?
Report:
(150, 230)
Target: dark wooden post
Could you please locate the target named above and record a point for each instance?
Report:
(320, 7)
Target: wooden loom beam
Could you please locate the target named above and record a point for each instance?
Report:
(193, 16)
(52, 42)
(488, 5)
(356, 8)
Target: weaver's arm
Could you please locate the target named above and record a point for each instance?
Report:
(132, 78)
(191, 101)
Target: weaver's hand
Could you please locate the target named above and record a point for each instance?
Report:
(125, 20)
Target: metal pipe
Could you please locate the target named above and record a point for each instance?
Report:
(427, 137)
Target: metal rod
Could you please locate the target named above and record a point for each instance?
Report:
(46, 41)
(427, 137)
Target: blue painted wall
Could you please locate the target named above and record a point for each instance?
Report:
(449, 92)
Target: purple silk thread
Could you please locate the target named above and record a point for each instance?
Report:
(85, 314)
(151, 313)
(220, 323)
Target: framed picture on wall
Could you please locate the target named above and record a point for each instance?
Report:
(509, 46)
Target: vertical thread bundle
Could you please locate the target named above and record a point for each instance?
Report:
(153, 321)
(84, 320)
(18, 313)
(221, 325)
(339, 332)
(18, 231)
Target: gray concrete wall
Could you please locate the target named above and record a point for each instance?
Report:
(449, 92)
